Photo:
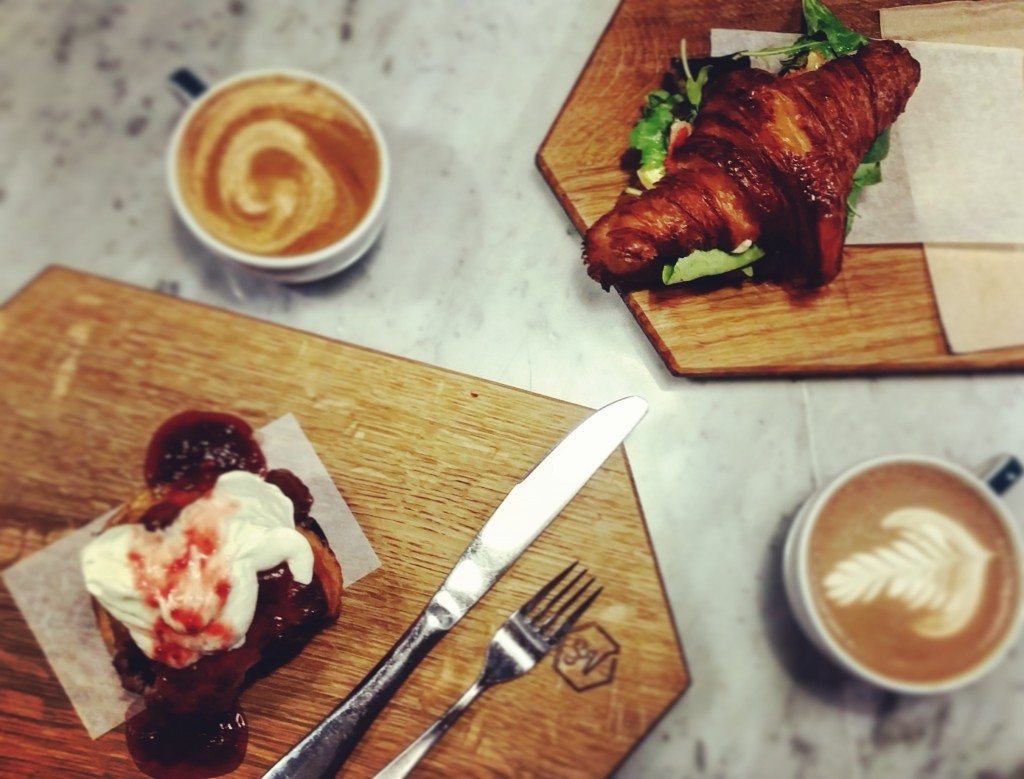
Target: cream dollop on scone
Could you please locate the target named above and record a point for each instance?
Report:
(190, 589)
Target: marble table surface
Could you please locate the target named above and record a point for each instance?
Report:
(478, 271)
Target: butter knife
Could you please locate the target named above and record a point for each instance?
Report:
(522, 516)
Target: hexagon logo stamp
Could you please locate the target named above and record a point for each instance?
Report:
(587, 657)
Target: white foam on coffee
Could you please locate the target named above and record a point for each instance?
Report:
(935, 567)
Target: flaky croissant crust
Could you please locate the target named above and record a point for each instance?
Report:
(770, 159)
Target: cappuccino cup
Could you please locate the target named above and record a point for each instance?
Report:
(279, 171)
(908, 571)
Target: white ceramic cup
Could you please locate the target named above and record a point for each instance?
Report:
(994, 480)
(289, 269)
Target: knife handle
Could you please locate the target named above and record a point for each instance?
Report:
(329, 745)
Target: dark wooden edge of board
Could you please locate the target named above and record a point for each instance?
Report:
(56, 269)
(560, 194)
(1006, 360)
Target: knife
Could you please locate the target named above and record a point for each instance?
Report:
(522, 516)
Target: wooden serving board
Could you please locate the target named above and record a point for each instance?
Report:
(88, 368)
(878, 316)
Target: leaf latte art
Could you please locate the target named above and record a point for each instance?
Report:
(934, 566)
(277, 166)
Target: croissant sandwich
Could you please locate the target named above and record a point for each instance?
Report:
(767, 170)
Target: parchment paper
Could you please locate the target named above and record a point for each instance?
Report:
(978, 289)
(956, 159)
(48, 587)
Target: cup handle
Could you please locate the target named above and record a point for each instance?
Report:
(1001, 473)
(186, 85)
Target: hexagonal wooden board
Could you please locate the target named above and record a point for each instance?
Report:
(879, 315)
(88, 368)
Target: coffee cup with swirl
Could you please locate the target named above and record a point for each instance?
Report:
(908, 571)
(280, 171)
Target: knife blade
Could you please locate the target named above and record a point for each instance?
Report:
(520, 518)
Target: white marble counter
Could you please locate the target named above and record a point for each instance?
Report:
(479, 271)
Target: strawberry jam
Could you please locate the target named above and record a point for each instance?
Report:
(196, 747)
(192, 726)
(191, 449)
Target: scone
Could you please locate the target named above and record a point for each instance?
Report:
(214, 574)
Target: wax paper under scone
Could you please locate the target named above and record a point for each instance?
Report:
(978, 289)
(956, 159)
(49, 590)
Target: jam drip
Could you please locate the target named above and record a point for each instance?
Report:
(297, 492)
(191, 449)
(192, 726)
(300, 496)
(193, 747)
(288, 614)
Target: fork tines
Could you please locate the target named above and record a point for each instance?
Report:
(549, 624)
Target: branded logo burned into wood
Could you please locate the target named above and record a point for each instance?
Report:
(587, 657)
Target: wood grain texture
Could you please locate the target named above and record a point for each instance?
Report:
(88, 368)
(878, 316)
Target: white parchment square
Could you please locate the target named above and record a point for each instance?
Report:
(956, 159)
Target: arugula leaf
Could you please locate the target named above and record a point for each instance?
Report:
(841, 38)
(695, 88)
(879, 149)
(650, 134)
(801, 45)
(709, 262)
(851, 208)
(797, 61)
(867, 173)
(825, 34)
(829, 37)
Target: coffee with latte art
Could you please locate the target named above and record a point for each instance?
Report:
(913, 573)
(277, 166)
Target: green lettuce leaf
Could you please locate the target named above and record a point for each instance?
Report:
(708, 262)
(650, 134)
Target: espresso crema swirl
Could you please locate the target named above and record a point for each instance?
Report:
(277, 166)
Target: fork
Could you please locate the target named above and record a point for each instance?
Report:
(518, 645)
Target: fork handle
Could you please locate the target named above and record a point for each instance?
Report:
(405, 762)
(329, 745)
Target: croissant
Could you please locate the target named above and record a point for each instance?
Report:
(770, 160)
